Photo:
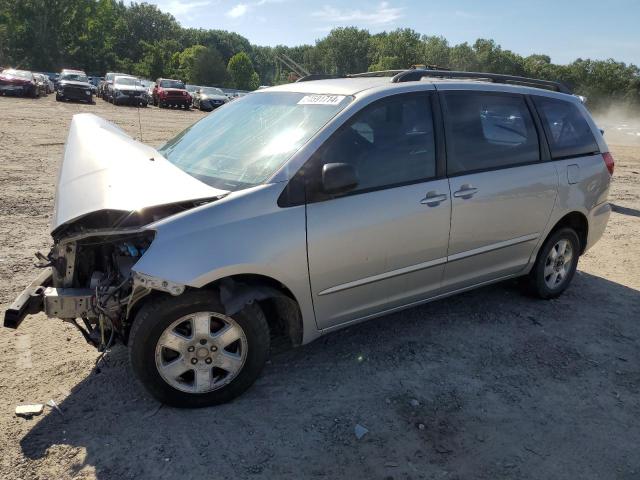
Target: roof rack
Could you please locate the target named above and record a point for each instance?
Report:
(317, 76)
(414, 75)
(325, 76)
(378, 73)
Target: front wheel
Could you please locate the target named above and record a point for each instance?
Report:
(187, 352)
(556, 264)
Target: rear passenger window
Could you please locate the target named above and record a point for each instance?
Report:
(390, 142)
(487, 130)
(568, 132)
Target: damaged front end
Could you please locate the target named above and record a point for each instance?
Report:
(110, 189)
(88, 278)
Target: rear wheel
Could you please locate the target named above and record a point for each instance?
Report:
(187, 352)
(556, 264)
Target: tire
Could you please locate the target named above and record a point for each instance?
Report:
(548, 279)
(58, 98)
(160, 315)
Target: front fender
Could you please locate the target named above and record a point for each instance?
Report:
(243, 233)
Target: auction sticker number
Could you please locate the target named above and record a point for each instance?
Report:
(321, 100)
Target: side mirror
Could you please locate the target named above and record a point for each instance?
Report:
(338, 178)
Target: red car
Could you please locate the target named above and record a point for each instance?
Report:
(18, 82)
(171, 93)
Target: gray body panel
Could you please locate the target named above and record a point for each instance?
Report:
(494, 232)
(350, 258)
(378, 249)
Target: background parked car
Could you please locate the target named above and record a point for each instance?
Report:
(18, 82)
(104, 85)
(49, 85)
(169, 92)
(127, 90)
(209, 98)
(41, 84)
(148, 89)
(55, 78)
(74, 85)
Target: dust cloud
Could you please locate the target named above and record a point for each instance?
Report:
(621, 124)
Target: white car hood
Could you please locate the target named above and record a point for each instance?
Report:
(105, 169)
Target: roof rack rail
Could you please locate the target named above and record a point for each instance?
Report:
(417, 74)
(317, 76)
(377, 73)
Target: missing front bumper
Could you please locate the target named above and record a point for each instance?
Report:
(30, 301)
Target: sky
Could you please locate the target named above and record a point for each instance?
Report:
(562, 29)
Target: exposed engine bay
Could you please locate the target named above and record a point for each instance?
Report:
(91, 278)
(91, 281)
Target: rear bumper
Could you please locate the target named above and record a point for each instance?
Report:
(598, 219)
(9, 89)
(30, 301)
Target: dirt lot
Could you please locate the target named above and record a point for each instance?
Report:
(490, 384)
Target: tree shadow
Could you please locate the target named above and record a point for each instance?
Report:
(496, 374)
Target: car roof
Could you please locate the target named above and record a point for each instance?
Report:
(356, 85)
(16, 70)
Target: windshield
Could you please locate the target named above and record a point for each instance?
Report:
(211, 91)
(172, 84)
(245, 142)
(126, 81)
(75, 77)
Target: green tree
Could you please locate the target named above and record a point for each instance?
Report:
(403, 45)
(201, 65)
(157, 59)
(242, 73)
(436, 51)
(345, 50)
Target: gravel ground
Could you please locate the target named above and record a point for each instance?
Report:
(490, 384)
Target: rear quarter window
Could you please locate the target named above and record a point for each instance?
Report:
(568, 133)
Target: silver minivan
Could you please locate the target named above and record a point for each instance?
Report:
(304, 208)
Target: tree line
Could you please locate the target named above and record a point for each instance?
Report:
(109, 35)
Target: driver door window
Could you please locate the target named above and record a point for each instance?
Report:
(389, 143)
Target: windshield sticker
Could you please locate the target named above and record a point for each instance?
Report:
(321, 100)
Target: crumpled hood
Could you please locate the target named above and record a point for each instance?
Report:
(105, 169)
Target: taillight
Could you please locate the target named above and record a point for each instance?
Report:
(608, 161)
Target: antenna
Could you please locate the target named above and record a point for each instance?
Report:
(292, 65)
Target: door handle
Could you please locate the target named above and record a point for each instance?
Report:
(433, 199)
(466, 191)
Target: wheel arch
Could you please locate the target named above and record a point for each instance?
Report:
(578, 222)
(277, 301)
